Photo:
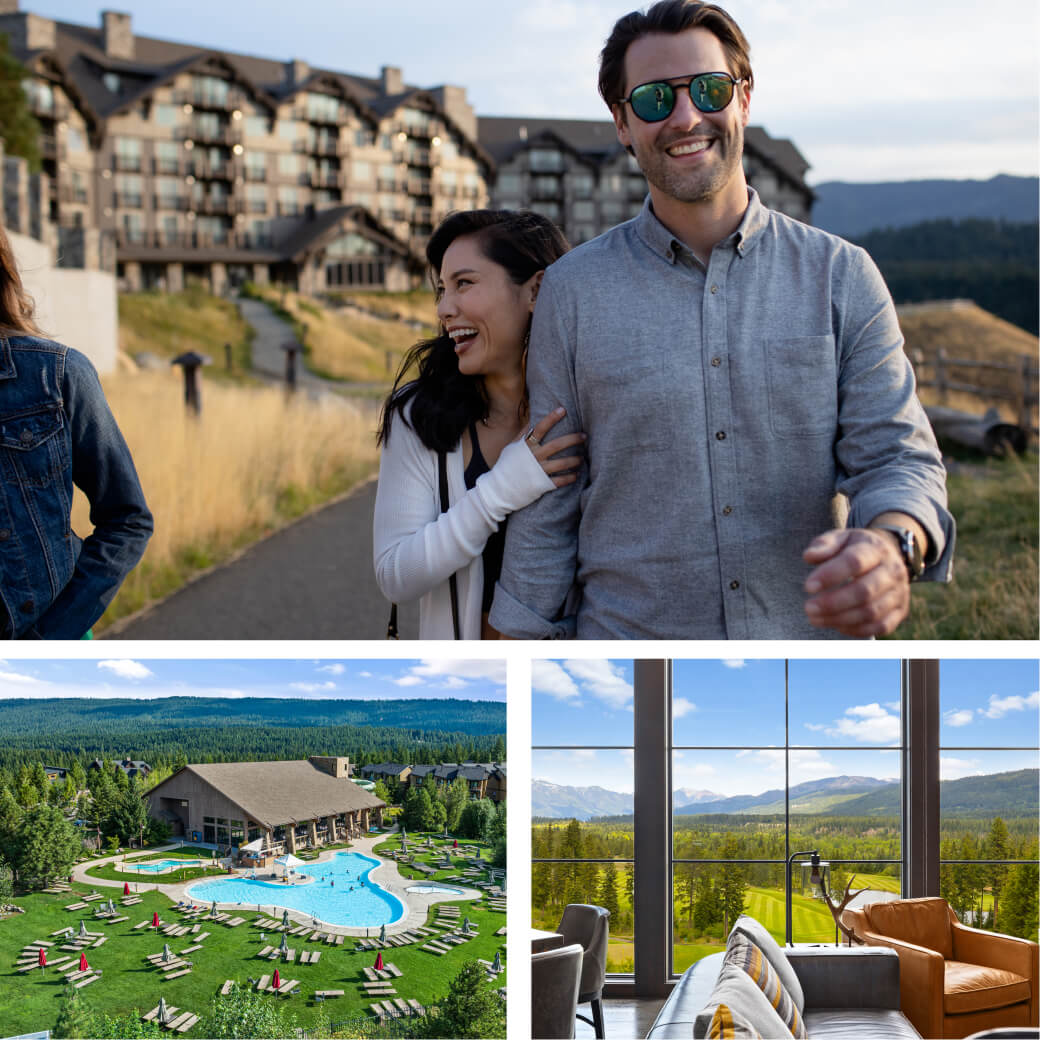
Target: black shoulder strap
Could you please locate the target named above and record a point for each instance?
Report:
(442, 474)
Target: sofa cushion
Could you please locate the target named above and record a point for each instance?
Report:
(775, 955)
(975, 987)
(923, 922)
(746, 955)
(726, 1023)
(843, 1023)
(741, 995)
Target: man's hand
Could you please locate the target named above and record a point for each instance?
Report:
(859, 584)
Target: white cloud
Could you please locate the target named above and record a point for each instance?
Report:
(603, 680)
(126, 669)
(332, 669)
(453, 682)
(815, 726)
(955, 768)
(870, 723)
(1000, 706)
(549, 677)
(681, 706)
(478, 671)
(408, 680)
(961, 717)
(735, 664)
(19, 678)
(312, 687)
(366, 675)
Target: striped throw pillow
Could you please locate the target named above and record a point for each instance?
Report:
(742, 952)
(727, 1024)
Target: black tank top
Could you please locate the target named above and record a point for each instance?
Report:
(496, 544)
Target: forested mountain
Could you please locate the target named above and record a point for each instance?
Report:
(852, 209)
(59, 730)
(812, 796)
(994, 263)
(1004, 794)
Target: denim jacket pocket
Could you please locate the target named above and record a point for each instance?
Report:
(34, 451)
(803, 386)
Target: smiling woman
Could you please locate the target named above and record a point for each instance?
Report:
(455, 461)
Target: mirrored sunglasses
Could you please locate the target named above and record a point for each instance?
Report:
(709, 92)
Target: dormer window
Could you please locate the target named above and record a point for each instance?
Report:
(113, 82)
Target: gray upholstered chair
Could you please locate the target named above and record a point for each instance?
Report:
(589, 926)
(555, 975)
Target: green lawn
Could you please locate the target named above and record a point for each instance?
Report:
(31, 1002)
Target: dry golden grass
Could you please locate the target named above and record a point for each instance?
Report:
(966, 332)
(345, 344)
(419, 304)
(250, 463)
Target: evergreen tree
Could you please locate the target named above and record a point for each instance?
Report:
(707, 909)
(470, 1008)
(732, 884)
(244, 1013)
(45, 846)
(456, 795)
(129, 1026)
(129, 816)
(6, 882)
(10, 814)
(499, 828)
(74, 1020)
(21, 131)
(997, 848)
(608, 896)
(380, 791)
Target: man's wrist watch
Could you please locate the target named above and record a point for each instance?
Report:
(908, 548)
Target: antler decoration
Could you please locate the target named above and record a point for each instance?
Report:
(836, 910)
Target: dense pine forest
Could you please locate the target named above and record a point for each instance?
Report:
(170, 731)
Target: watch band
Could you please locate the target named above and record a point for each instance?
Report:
(908, 548)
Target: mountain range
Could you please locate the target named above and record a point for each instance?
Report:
(1010, 793)
(854, 209)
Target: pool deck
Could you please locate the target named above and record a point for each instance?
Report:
(386, 874)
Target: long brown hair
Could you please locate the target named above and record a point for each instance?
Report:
(16, 305)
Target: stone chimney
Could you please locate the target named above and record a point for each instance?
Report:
(334, 766)
(27, 32)
(393, 80)
(298, 71)
(453, 101)
(117, 35)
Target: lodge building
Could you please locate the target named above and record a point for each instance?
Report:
(285, 805)
(211, 165)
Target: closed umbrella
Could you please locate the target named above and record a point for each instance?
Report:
(155, 919)
(455, 843)
(285, 944)
(285, 918)
(166, 952)
(111, 906)
(83, 929)
(379, 961)
(277, 979)
(164, 1015)
(382, 933)
(126, 888)
(42, 958)
(465, 926)
(498, 961)
(83, 966)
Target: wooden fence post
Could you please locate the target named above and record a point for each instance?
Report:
(940, 375)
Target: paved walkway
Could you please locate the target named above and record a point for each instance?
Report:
(271, 332)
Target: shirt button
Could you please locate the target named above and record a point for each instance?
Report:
(726, 510)
(26, 436)
(27, 607)
(721, 435)
(715, 362)
(734, 584)
(5, 533)
(714, 290)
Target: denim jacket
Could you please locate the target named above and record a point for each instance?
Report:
(56, 430)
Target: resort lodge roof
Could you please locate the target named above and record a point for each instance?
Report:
(275, 793)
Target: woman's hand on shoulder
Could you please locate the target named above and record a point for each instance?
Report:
(563, 470)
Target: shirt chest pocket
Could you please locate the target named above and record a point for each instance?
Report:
(803, 386)
(33, 447)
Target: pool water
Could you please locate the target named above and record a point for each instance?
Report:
(163, 864)
(335, 896)
(427, 888)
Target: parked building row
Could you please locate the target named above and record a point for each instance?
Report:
(226, 167)
(484, 779)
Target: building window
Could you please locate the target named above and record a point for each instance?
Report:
(129, 191)
(360, 171)
(323, 108)
(210, 90)
(167, 157)
(257, 126)
(287, 129)
(40, 96)
(128, 153)
(75, 140)
(288, 201)
(166, 115)
(545, 160)
(290, 165)
(582, 185)
(113, 82)
(584, 211)
(577, 859)
(988, 757)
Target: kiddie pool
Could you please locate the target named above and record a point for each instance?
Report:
(157, 866)
(338, 891)
(427, 888)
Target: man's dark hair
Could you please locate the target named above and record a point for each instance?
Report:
(670, 16)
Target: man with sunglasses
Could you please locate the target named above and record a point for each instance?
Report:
(758, 465)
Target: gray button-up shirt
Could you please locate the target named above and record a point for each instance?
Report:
(734, 413)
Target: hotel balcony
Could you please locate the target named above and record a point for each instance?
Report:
(129, 200)
(179, 203)
(306, 115)
(318, 146)
(51, 147)
(419, 186)
(225, 133)
(205, 170)
(72, 193)
(324, 179)
(219, 101)
(43, 108)
(214, 205)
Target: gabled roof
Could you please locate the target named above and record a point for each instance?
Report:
(276, 793)
(328, 224)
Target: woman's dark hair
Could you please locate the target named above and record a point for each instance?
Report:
(443, 401)
(16, 305)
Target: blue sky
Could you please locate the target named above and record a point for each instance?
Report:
(882, 91)
(846, 704)
(312, 679)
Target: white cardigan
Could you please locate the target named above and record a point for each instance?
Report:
(416, 548)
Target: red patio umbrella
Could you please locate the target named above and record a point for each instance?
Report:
(277, 979)
(379, 961)
(83, 966)
(42, 958)
(455, 843)
(126, 888)
(155, 919)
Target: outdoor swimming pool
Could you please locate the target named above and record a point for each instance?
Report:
(162, 864)
(335, 896)
(428, 888)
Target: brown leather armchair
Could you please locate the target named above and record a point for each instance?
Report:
(953, 980)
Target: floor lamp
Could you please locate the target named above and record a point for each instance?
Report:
(814, 877)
